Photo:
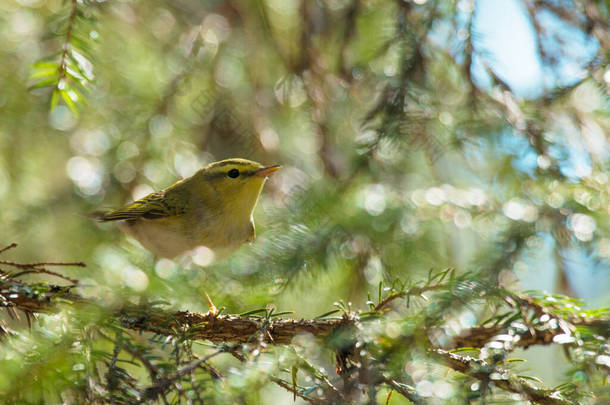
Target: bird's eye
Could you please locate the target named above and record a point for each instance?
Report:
(233, 173)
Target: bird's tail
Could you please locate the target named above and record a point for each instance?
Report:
(99, 216)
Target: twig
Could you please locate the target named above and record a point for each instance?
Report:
(26, 265)
(163, 383)
(469, 50)
(482, 370)
(110, 375)
(4, 249)
(153, 371)
(15, 294)
(384, 303)
(481, 335)
(405, 391)
(413, 291)
(37, 268)
(61, 70)
(289, 387)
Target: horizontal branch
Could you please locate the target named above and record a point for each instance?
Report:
(501, 378)
(479, 336)
(227, 328)
(240, 329)
(42, 297)
(243, 329)
(33, 297)
(15, 294)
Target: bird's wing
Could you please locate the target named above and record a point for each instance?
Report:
(161, 204)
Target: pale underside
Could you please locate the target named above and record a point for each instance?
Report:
(168, 239)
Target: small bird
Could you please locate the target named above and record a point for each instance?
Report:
(212, 208)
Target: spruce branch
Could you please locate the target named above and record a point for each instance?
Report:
(504, 379)
(534, 317)
(65, 53)
(226, 328)
(405, 390)
(163, 383)
(243, 329)
(42, 297)
(70, 74)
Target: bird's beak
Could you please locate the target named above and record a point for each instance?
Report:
(266, 171)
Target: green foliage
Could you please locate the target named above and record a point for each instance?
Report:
(70, 72)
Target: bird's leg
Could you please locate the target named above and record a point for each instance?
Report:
(213, 312)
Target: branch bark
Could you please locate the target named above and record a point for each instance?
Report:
(505, 380)
(15, 294)
(32, 298)
(227, 328)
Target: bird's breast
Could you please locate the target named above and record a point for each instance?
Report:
(169, 238)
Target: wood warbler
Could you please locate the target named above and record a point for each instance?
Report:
(212, 208)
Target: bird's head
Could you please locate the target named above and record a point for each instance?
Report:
(237, 183)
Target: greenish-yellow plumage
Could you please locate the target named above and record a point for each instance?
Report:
(212, 208)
